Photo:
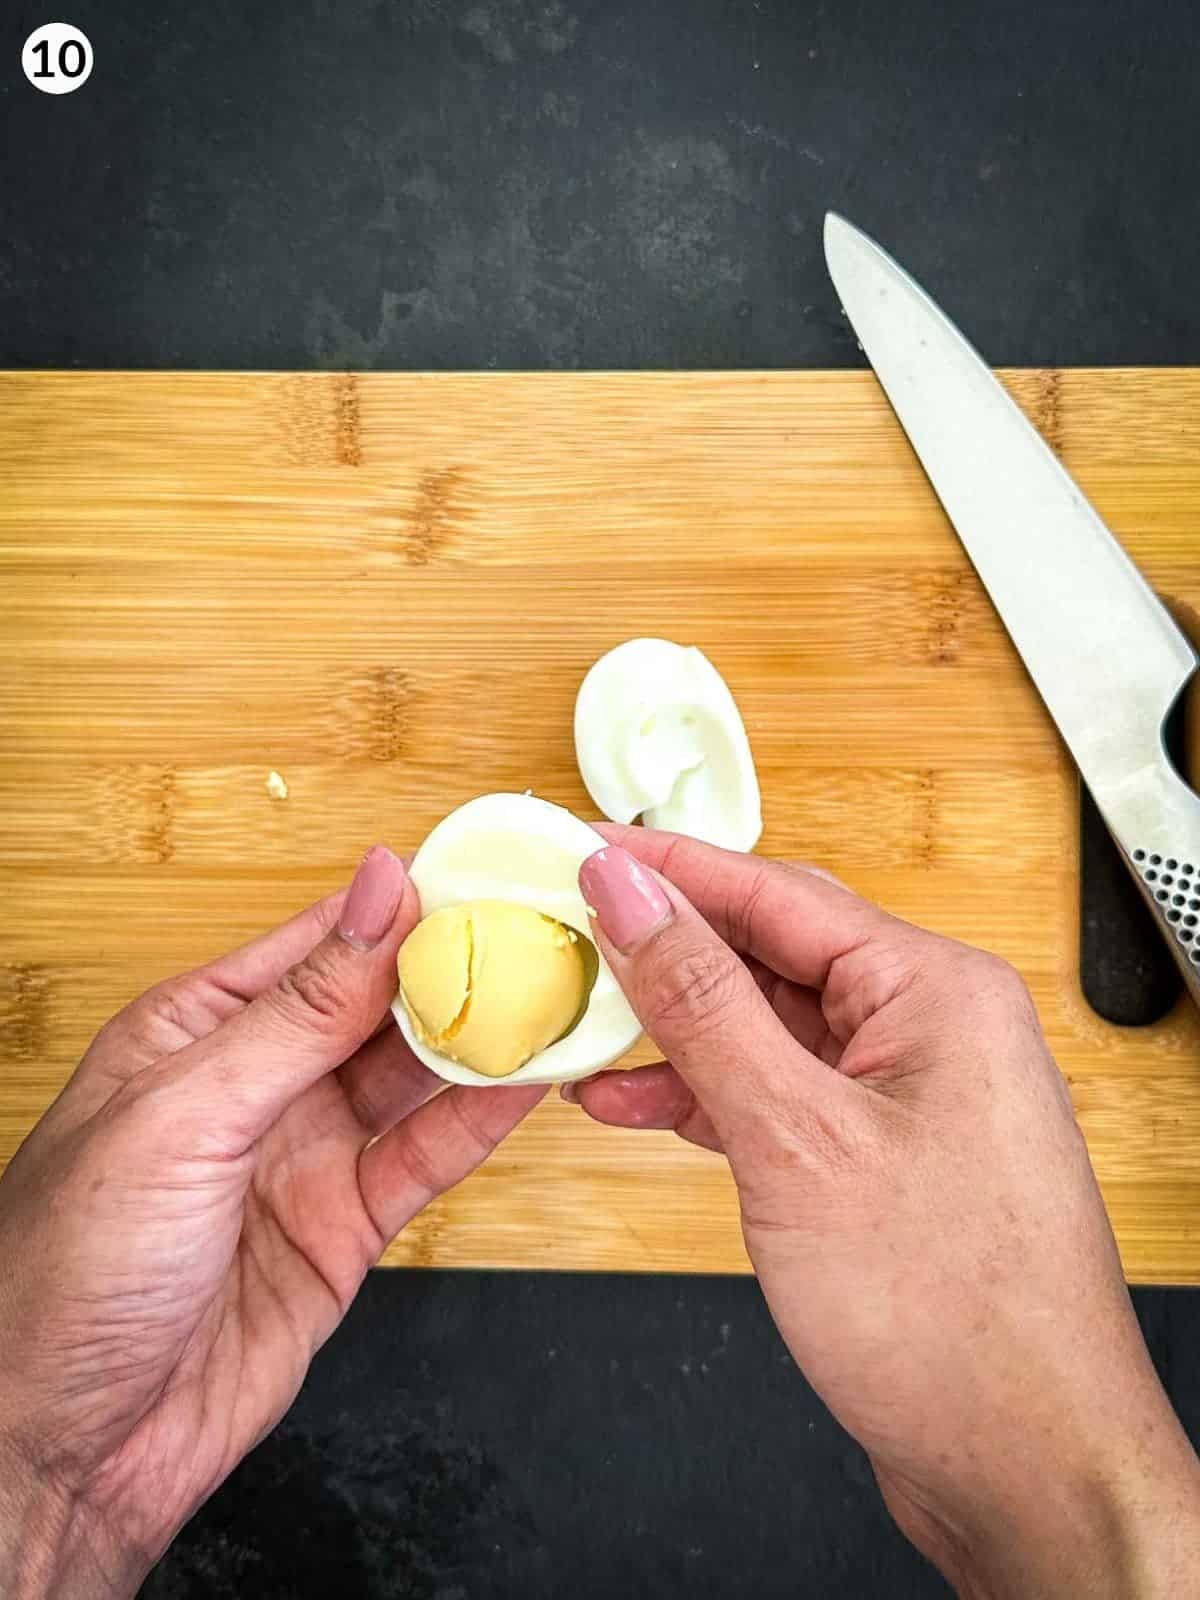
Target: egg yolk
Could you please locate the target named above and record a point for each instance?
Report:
(490, 984)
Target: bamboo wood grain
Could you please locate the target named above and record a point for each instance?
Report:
(388, 587)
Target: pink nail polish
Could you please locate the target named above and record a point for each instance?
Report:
(374, 899)
(569, 1092)
(629, 904)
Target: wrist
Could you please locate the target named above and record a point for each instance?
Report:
(53, 1544)
(1116, 1534)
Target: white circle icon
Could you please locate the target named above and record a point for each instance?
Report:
(57, 58)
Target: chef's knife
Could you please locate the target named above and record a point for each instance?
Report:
(1103, 651)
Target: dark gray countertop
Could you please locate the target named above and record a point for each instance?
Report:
(596, 183)
(586, 183)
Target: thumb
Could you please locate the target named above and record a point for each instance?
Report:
(699, 1003)
(243, 1076)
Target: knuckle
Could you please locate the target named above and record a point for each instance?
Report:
(868, 975)
(170, 1004)
(1006, 977)
(311, 994)
(741, 912)
(481, 1142)
(997, 981)
(156, 1023)
(675, 853)
(418, 1160)
(695, 992)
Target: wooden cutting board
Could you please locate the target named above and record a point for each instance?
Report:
(387, 589)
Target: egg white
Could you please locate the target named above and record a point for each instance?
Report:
(659, 736)
(518, 848)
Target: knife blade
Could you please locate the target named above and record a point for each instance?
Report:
(1104, 653)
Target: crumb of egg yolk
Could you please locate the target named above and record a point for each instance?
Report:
(490, 984)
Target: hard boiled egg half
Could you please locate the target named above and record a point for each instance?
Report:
(500, 980)
(659, 736)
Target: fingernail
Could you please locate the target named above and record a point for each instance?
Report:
(374, 898)
(569, 1092)
(628, 903)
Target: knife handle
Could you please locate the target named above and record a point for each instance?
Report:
(1158, 829)
(1127, 973)
(1171, 886)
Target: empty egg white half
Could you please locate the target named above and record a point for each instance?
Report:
(527, 851)
(659, 736)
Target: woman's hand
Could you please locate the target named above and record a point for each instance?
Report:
(919, 1206)
(190, 1221)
